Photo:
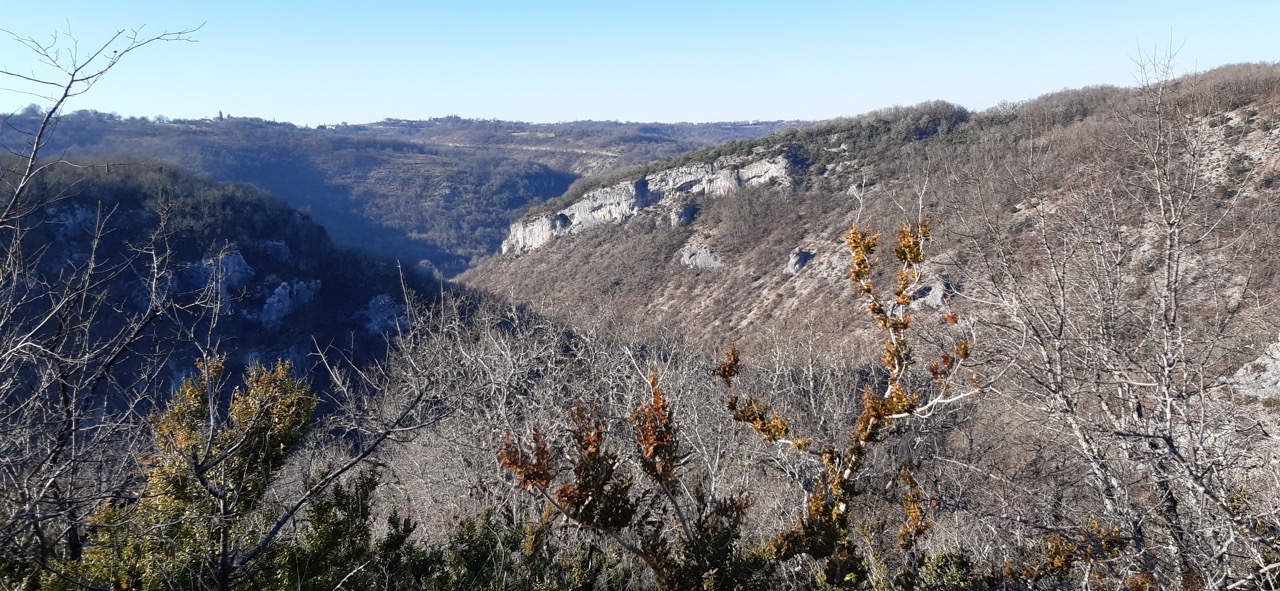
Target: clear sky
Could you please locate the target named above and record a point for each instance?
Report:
(322, 61)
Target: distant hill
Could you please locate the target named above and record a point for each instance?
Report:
(584, 148)
(440, 192)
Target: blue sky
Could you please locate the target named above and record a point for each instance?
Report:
(359, 61)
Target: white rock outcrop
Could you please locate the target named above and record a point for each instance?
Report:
(798, 259)
(286, 299)
(1261, 377)
(383, 314)
(225, 273)
(933, 295)
(699, 256)
(618, 203)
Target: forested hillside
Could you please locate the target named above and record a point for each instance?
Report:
(745, 239)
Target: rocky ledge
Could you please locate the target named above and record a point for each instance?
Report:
(671, 189)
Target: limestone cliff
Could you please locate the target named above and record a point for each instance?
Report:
(670, 189)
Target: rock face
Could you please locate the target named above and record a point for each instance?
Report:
(285, 299)
(383, 314)
(1262, 376)
(618, 203)
(1259, 380)
(933, 295)
(699, 256)
(683, 216)
(227, 271)
(798, 259)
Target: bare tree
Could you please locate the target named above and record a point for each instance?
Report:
(1122, 308)
(76, 357)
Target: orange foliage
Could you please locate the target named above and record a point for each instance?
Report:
(655, 432)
